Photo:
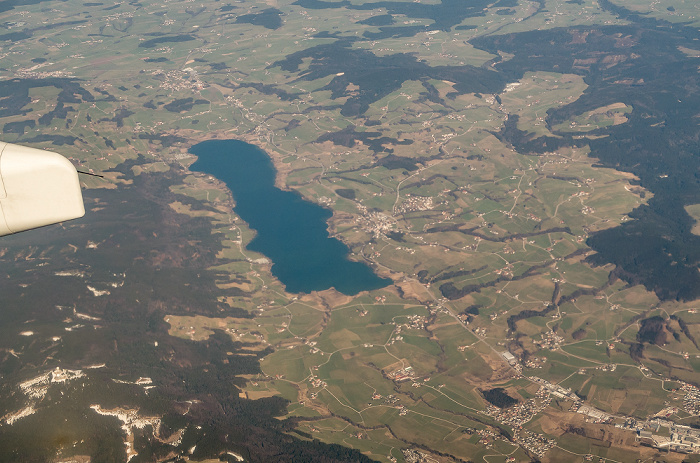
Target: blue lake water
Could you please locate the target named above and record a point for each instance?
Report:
(291, 232)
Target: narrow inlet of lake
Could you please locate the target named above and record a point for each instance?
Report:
(291, 232)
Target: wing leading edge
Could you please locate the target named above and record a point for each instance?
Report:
(37, 188)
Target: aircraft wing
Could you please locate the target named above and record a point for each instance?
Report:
(37, 188)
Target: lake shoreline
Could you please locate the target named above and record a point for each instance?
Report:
(292, 232)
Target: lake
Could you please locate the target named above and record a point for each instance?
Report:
(291, 232)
